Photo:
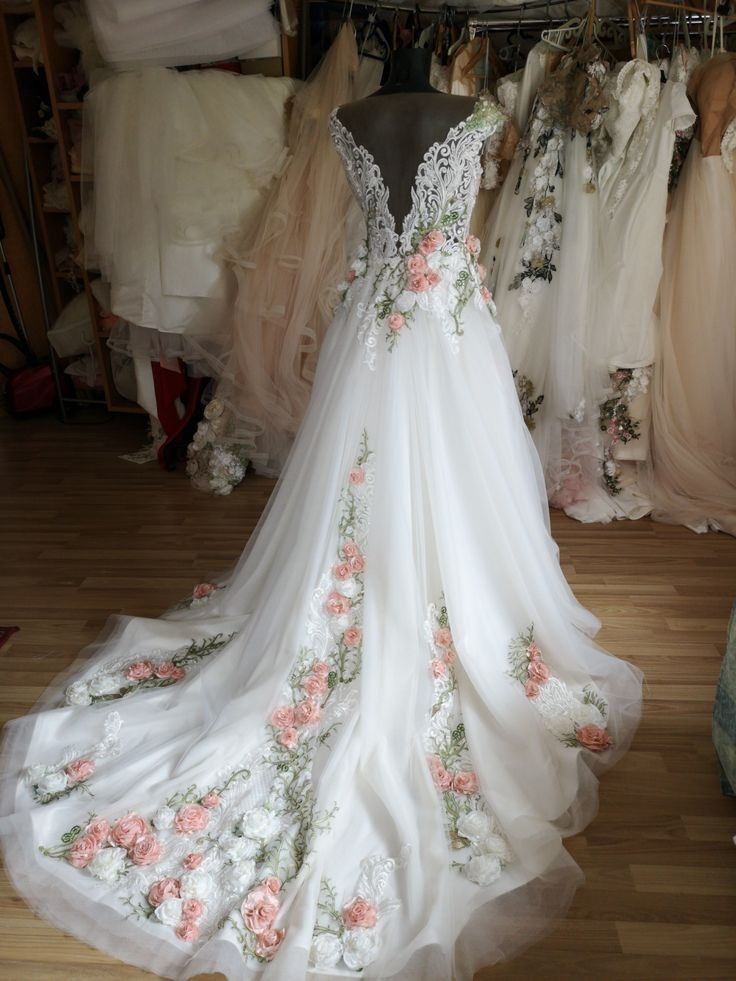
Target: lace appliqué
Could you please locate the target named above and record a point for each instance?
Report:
(577, 719)
(216, 463)
(352, 934)
(529, 401)
(478, 843)
(50, 782)
(616, 421)
(218, 857)
(157, 668)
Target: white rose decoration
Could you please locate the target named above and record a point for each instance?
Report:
(34, 774)
(483, 869)
(497, 846)
(360, 948)
(587, 715)
(169, 912)
(348, 587)
(326, 951)
(405, 301)
(53, 782)
(197, 885)
(104, 684)
(164, 818)
(474, 825)
(259, 823)
(237, 848)
(241, 874)
(78, 694)
(108, 864)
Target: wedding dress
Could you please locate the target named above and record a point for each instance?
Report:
(359, 754)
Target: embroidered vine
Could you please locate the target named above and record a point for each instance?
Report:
(352, 934)
(474, 834)
(530, 405)
(218, 857)
(52, 781)
(577, 719)
(149, 669)
(616, 421)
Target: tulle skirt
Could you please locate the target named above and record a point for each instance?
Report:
(362, 750)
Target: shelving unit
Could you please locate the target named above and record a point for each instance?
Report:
(52, 221)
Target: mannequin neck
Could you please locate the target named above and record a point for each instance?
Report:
(410, 69)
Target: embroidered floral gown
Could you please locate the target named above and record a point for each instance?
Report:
(357, 756)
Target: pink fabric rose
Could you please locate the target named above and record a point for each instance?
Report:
(99, 829)
(486, 294)
(80, 770)
(357, 564)
(441, 777)
(321, 669)
(531, 688)
(418, 283)
(533, 652)
(146, 850)
(268, 943)
(203, 590)
(482, 270)
(357, 475)
(82, 851)
(259, 909)
(439, 668)
(352, 636)
(166, 669)
(167, 888)
(435, 238)
(127, 829)
(593, 737)
(350, 549)
(191, 817)
(443, 637)
(178, 673)
(289, 737)
(351, 276)
(282, 717)
(396, 321)
(337, 604)
(210, 800)
(192, 861)
(188, 931)
(416, 264)
(315, 686)
(472, 243)
(192, 909)
(308, 712)
(341, 571)
(433, 278)
(139, 670)
(451, 655)
(273, 884)
(359, 913)
(465, 782)
(538, 671)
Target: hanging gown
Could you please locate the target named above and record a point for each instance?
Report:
(358, 756)
(694, 404)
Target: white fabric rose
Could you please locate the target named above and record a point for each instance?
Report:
(241, 874)
(104, 684)
(197, 885)
(164, 818)
(360, 948)
(588, 715)
(405, 301)
(259, 823)
(348, 587)
(53, 782)
(474, 825)
(78, 694)
(495, 845)
(326, 951)
(169, 912)
(34, 774)
(238, 848)
(108, 864)
(483, 869)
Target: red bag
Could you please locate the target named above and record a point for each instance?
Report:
(30, 389)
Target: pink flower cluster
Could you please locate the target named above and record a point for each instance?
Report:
(194, 817)
(593, 737)
(359, 913)
(421, 276)
(289, 719)
(448, 656)
(203, 590)
(142, 670)
(461, 781)
(132, 832)
(192, 910)
(80, 770)
(537, 672)
(259, 911)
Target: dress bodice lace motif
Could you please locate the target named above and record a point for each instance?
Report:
(429, 264)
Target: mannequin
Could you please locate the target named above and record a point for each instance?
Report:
(399, 122)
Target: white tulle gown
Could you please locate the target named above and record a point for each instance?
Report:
(358, 756)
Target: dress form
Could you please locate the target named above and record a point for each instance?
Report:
(399, 123)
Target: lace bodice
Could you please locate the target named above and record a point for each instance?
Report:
(430, 264)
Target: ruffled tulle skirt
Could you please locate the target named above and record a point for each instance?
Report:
(361, 752)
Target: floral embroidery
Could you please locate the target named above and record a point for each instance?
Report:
(471, 827)
(201, 595)
(351, 934)
(150, 669)
(218, 857)
(530, 405)
(214, 462)
(577, 719)
(51, 782)
(616, 421)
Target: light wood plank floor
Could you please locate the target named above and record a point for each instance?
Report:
(84, 534)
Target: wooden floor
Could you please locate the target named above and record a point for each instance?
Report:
(84, 534)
